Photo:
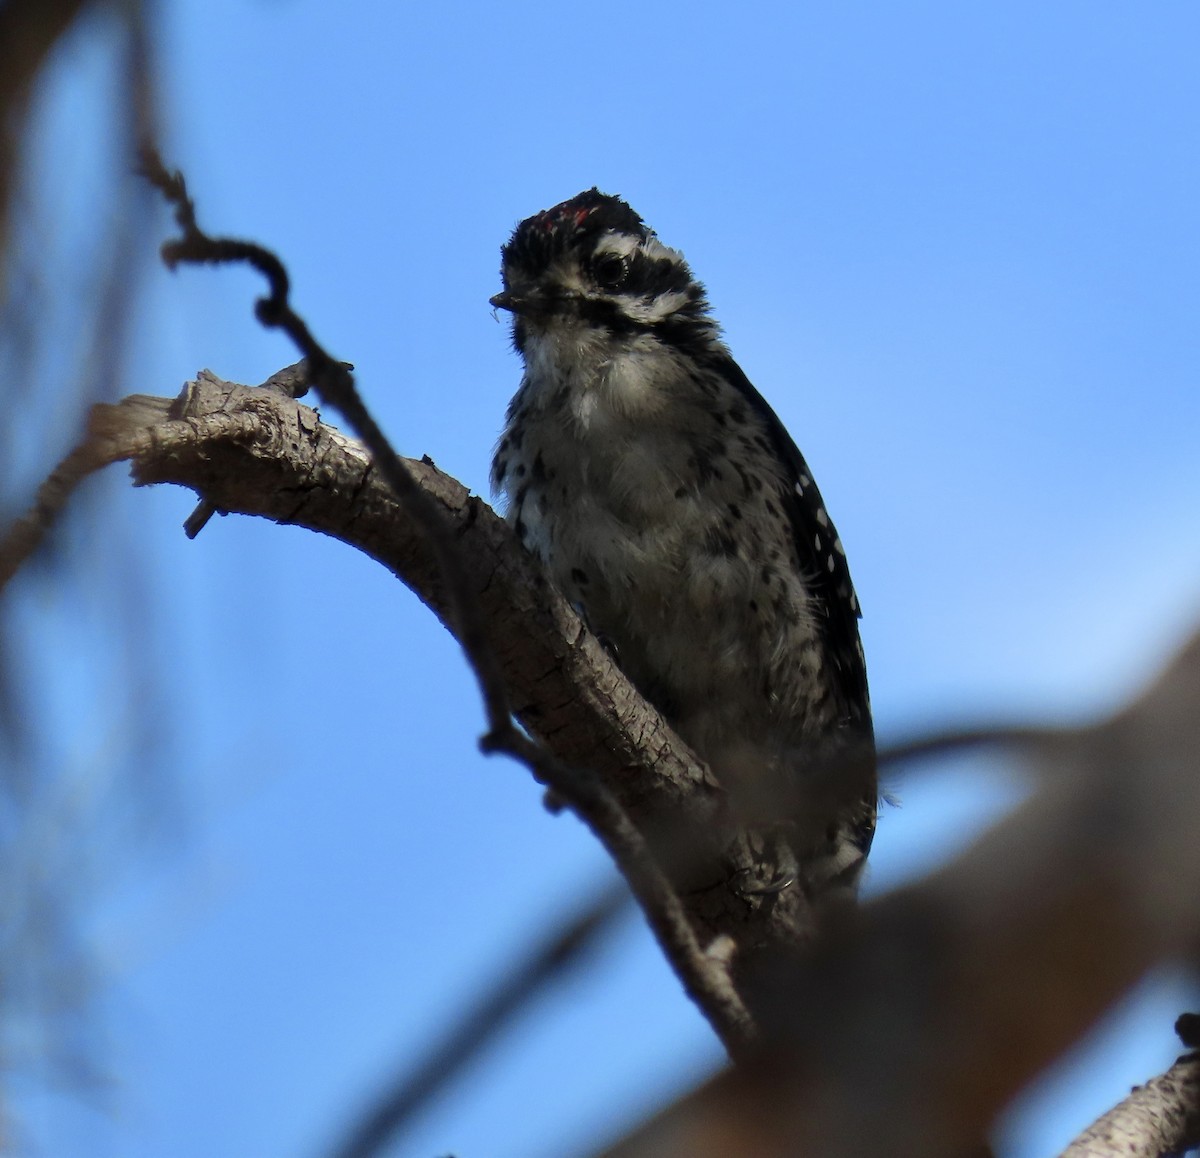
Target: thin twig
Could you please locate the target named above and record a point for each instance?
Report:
(292, 382)
(334, 383)
(398, 1106)
(950, 740)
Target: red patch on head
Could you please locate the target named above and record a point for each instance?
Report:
(566, 213)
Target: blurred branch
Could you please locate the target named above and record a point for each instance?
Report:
(412, 1091)
(74, 804)
(911, 1030)
(1015, 738)
(29, 29)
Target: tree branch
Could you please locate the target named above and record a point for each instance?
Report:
(1161, 1117)
(259, 452)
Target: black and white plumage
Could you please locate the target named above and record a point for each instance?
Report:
(670, 504)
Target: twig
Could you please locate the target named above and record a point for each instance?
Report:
(334, 384)
(1015, 737)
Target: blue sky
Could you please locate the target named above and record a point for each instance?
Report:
(956, 246)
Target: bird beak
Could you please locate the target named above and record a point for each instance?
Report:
(522, 304)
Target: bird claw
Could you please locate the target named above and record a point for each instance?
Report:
(744, 884)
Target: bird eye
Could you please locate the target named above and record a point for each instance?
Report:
(610, 270)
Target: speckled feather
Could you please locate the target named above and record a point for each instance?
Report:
(670, 504)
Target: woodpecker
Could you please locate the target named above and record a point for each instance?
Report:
(670, 505)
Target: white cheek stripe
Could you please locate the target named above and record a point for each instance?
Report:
(622, 244)
(655, 249)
